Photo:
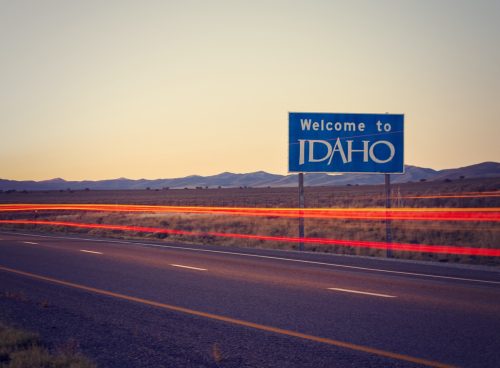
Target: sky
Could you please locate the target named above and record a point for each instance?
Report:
(162, 89)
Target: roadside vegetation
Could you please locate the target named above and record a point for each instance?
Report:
(22, 349)
(461, 193)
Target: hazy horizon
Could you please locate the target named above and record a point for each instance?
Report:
(94, 90)
(219, 173)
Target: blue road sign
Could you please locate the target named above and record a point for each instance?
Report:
(345, 143)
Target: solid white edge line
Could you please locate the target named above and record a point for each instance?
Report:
(90, 251)
(269, 257)
(362, 292)
(188, 267)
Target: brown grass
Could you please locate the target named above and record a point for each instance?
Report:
(217, 355)
(22, 349)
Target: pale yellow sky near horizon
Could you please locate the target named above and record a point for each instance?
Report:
(162, 89)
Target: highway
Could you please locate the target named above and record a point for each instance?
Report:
(160, 304)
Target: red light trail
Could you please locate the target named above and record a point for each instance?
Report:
(413, 214)
(424, 248)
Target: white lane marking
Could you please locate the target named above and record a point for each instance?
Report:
(27, 242)
(362, 292)
(270, 257)
(90, 251)
(189, 267)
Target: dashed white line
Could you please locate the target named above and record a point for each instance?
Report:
(90, 251)
(362, 292)
(189, 267)
(27, 242)
(269, 257)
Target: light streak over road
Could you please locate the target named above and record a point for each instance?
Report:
(242, 254)
(412, 214)
(422, 248)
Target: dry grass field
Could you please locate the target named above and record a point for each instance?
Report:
(465, 193)
(346, 196)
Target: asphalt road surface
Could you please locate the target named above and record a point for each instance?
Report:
(157, 304)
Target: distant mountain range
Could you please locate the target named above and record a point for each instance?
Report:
(259, 179)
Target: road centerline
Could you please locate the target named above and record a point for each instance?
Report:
(234, 321)
(362, 292)
(90, 251)
(188, 267)
(337, 265)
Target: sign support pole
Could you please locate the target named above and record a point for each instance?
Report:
(301, 212)
(388, 229)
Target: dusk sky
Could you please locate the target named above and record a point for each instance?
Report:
(162, 89)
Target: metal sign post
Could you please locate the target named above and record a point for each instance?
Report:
(301, 212)
(388, 229)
